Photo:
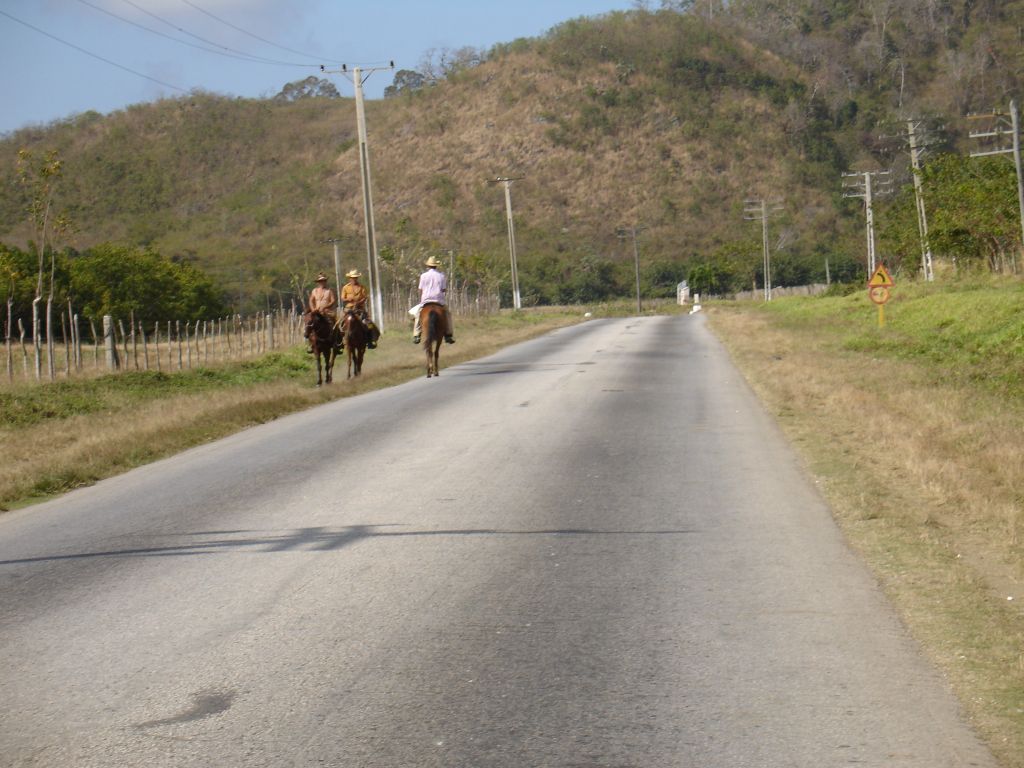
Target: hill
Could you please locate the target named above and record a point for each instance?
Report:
(665, 120)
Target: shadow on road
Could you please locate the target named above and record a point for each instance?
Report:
(317, 539)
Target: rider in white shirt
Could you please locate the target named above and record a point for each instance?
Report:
(433, 287)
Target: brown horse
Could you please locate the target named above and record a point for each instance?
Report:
(432, 322)
(356, 337)
(325, 338)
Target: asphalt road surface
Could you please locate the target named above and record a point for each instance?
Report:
(591, 550)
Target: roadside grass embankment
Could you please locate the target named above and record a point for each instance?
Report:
(915, 433)
(63, 435)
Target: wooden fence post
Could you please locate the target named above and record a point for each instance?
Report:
(156, 343)
(110, 343)
(124, 343)
(10, 351)
(67, 349)
(135, 346)
(145, 347)
(24, 351)
(95, 345)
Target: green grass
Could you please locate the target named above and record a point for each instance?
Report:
(30, 404)
(972, 331)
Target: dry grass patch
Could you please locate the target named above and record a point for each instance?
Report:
(923, 472)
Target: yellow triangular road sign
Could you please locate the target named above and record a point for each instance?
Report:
(881, 278)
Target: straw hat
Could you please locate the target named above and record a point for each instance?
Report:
(432, 262)
(354, 273)
(321, 278)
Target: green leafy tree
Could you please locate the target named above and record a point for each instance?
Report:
(406, 81)
(311, 88)
(713, 277)
(120, 280)
(973, 215)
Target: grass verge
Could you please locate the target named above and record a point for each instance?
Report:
(916, 433)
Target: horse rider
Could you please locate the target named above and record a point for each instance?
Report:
(322, 300)
(353, 299)
(433, 288)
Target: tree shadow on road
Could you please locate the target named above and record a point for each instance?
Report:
(315, 539)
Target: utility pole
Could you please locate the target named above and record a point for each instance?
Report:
(927, 269)
(636, 260)
(358, 77)
(760, 210)
(337, 262)
(507, 181)
(998, 132)
(861, 185)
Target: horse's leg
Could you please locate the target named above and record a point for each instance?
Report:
(437, 351)
(331, 354)
(430, 330)
(319, 370)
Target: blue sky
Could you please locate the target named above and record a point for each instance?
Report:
(45, 80)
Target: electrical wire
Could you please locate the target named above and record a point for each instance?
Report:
(246, 32)
(239, 56)
(93, 55)
(164, 35)
(261, 59)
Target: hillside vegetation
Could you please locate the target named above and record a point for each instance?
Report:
(664, 120)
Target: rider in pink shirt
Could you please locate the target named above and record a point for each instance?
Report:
(433, 287)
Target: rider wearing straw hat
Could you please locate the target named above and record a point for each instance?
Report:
(433, 287)
(353, 298)
(322, 300)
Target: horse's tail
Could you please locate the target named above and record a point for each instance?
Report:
(432, 331)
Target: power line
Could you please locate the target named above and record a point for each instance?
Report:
(243, 31)
(93, 55)
(201, 39)
(241, 57)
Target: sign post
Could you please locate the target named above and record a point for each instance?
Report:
(878, 291)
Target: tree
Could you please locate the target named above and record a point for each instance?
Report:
(973, 214)
(406, 81)
(122, 281)
(39, 177)
(311, 88)
(439, 63)
(711, 277)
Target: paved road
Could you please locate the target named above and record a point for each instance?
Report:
(591, 550)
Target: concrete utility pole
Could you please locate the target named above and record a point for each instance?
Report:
(373, 261)
(999, 132)
(636, 260)
(922, 218)
(507, 181)
(760, 210)
(337, 263)
(861, 185)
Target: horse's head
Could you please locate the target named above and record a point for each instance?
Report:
(320, 324)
